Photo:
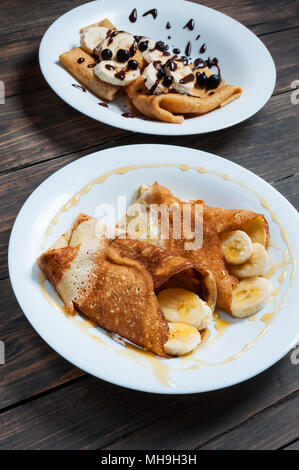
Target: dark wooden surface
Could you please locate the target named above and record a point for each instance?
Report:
(45, 402)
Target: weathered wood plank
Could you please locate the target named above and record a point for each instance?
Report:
(38, 125)
(293, 446)
(268, 430)
(249, 12)
(202, 417)
(91, 414)
(31, 366)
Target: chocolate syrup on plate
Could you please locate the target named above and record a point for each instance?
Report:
(168, 25)
(82, 88)
(133, 16)
(105, 105)
(188, 48)
(189, 25)
(203, 48)
(197, 37)
(128, 115)
(153, 12)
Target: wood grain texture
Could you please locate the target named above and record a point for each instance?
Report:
(293, 446)
(47, 403)
(31, 365)
(92, 414)
(268, 430)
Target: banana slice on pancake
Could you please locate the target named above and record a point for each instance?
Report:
(181, 305)
(92, 37)
(236, 246)
(250, 296)
(182, 339)
(256, 265)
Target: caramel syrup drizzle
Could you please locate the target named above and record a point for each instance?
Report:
(160, 366)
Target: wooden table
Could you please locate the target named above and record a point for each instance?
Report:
(45, 402)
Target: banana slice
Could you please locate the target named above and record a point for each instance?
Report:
(250, 296)
(182, 339)
(150, 77)
(255, 266)
(93, 37)
(108, 70)
(236, 246)
(181, 305)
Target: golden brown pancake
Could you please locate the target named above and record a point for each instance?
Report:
(216, 221)
(114, 282)
(171, 107)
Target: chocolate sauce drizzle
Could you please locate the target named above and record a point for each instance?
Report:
(187, 79)
(188, 49)
(128, 115)
(168, 25)
(80, 60)
(153, 12)
(105, 105)
(189, 25)
(203, 48)
(109, 67)
(80, 87)
(133, 16)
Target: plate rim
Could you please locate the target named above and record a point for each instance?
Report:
(130, 124)
(155, 388)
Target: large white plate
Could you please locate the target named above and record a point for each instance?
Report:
(111, 361)
(244, 60)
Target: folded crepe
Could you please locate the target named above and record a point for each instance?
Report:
(83, 70)
(216, 222)
(171, 107)
(114, 282)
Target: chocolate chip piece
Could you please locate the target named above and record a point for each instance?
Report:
(122, 55)
(143, 45)
(160, 45)
(133, 64)
(167, 81)
(201, 79)
(214, 81)
(106, 54)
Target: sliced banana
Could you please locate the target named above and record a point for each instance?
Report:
(181, 305)
(122, 40)
(93, 37)
(250, 296)
(152, 54)
(182, 71)
(182, 339)
(236, 246)
(150, 77)
(255, 266)
(107, 70)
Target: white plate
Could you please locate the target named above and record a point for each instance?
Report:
(244, 60)
(109, 360)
